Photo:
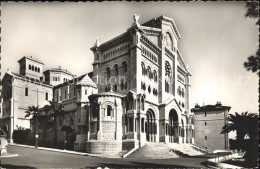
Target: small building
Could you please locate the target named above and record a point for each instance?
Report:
(209, 121)
(26, 88)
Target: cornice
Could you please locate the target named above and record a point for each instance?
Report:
(150, 44)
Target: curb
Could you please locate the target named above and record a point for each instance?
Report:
(61, 151)
(11, 155)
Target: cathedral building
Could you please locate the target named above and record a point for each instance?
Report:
(143, 89)
(138, 92)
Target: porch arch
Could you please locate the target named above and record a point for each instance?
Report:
(172, 129)
(150, 126)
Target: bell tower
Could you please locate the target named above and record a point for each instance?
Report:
(31, 67)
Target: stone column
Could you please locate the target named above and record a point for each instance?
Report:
(99, 135)
(89, 117)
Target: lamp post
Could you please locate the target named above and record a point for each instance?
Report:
(36, 124)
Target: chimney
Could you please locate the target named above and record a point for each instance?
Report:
(197, 105)
(218, 103)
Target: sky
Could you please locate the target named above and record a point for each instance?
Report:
(216, 39)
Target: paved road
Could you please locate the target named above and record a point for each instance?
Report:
(34, 158)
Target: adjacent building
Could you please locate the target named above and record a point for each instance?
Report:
(209, 121)
(23, 89)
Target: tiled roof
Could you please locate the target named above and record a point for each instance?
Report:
(77, 80)
(86, 81)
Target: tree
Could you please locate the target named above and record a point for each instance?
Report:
(245, 125)
(34, 112)
(252, 63)
(54, 109)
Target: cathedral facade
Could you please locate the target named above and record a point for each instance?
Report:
(143, 90)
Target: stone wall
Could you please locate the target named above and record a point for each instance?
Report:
(103, 147)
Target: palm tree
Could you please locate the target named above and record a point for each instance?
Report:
(54, 109)
(34, 112)
(245, 124)
(236, 123)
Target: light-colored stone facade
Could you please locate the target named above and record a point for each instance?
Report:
(28, 88)
(209, 121)
(144, 68)
(138, 92)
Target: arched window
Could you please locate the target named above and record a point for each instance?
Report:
(124, 66)
(155, 75)
(143, 68)
(149, 72)
(169, 41)
(30, 67)
(116, 70)
(115, 88)
(63, 79)
(167, 69)
(36, 69)
(122, 85)
(39, 70)
(65, 95)
(149, 89)
(182, 92)
(167, 87)
(26, 91)
(125, 85)
(86, 92)
(57, 95)
(46, 96)
(109, 111)
(179, 91)
(108, 72)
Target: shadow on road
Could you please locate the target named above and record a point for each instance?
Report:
(16, 166)
(139, 164)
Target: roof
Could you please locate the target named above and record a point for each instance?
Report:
(151, 22)
(30, 58)
(147, 25)
(210, 108)
(58, 70)
(32, 80)
(86, 81)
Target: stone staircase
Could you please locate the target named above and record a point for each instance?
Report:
(164, 151)
(185, 149)
(201, 149)
(154, 151)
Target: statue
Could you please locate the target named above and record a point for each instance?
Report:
(136, 17)
(97, 44)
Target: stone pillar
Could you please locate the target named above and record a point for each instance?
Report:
(89, 117)
(99, 134)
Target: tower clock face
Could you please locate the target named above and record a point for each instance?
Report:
(169, 41)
